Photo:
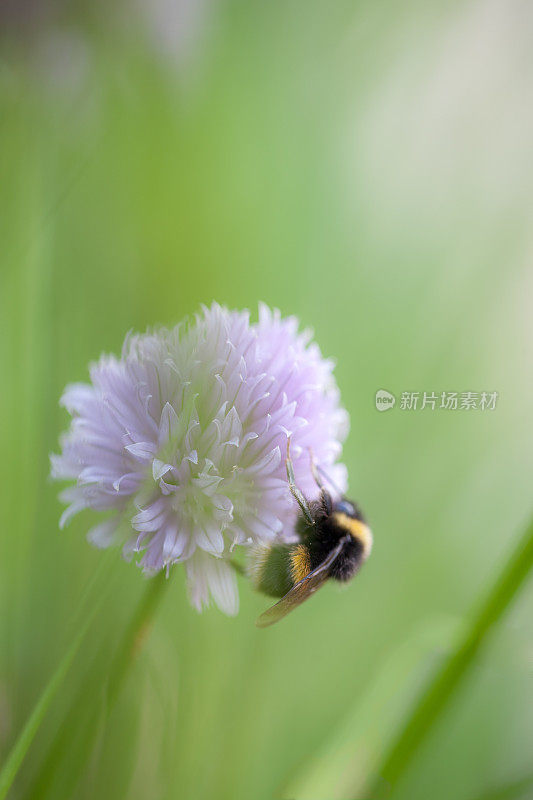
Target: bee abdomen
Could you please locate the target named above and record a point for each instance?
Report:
(271, 568)
(300, 566)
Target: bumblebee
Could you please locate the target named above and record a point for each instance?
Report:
(333, 541)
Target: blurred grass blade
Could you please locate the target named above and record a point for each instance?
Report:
(73, 739)
(448, 677)
(82, 619)
(343, 766)
(26, 736)
(129, 647)
(518, 789)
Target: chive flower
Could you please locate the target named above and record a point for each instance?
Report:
(181, 442)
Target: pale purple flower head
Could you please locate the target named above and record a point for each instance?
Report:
(182, 442)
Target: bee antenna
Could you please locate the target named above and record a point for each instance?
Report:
(314, 470)
(326, 497)
(296, 493)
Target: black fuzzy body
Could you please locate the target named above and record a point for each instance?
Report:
(277, 569)
(326, 534)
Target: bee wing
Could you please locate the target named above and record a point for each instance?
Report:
(301, 591)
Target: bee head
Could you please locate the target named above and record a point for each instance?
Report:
(345, 507)
(348, 517)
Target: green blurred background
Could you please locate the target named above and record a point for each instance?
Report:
(367, 167)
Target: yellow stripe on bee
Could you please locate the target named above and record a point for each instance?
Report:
(359, 530)
(300, 563)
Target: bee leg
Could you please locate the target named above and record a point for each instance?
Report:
(296, 493)
(325, 495)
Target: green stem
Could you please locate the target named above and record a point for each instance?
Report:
(454, 669)
(134, 636)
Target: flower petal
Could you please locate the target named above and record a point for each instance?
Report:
(142, 451)
(104, 534)
(168, 425)
(223, 586)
